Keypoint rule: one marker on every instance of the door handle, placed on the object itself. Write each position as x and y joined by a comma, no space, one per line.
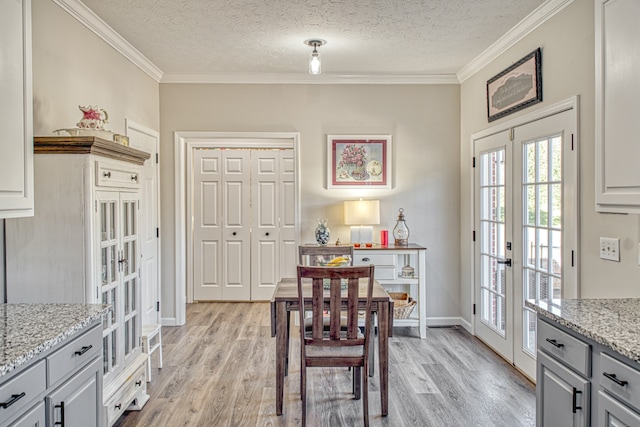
506,261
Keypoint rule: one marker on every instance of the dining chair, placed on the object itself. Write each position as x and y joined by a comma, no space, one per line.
316,255
318,346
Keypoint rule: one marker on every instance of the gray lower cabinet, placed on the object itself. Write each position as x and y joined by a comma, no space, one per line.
583,383
35,417
563,396
61,387
612,413
78,401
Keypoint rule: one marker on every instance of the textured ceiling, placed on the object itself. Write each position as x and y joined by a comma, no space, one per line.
364,37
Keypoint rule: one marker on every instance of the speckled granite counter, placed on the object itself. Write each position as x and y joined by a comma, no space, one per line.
614,323
29,329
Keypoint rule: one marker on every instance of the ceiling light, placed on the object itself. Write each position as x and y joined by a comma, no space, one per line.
314,58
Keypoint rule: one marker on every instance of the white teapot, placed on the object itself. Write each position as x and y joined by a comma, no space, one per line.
93,117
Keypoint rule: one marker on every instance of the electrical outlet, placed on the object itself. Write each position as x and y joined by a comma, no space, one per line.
610,249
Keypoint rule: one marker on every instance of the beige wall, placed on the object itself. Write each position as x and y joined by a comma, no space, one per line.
72,66
567,43
424,123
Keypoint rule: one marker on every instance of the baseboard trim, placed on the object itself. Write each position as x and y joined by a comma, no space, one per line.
168,321
443,321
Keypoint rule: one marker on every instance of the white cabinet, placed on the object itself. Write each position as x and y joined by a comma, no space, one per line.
617,104
16,106
389,261
82,246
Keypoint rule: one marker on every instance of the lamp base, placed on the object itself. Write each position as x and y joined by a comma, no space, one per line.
362,234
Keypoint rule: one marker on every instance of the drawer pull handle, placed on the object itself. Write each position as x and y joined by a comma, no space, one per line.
366,259
14,399
575,406
134,178
61,407
83,350
139,383
106,174
554,343
118,406
613,378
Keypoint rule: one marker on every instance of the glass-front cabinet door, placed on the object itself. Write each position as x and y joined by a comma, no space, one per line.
130,279
118,277
109,278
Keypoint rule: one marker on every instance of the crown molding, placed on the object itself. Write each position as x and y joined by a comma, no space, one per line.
324,78
539,16
89,19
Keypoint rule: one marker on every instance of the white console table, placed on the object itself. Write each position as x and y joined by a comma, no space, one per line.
389,261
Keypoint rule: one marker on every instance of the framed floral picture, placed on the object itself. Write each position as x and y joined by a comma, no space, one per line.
358,161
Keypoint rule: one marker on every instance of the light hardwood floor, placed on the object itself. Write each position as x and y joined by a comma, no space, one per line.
219,370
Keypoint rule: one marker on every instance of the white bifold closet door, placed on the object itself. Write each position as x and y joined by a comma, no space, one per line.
243,222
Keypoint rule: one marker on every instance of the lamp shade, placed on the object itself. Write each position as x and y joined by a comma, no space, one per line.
361,212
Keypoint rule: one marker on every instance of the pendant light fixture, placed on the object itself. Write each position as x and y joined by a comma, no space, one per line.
314,58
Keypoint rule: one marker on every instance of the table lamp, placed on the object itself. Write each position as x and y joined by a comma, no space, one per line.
360,215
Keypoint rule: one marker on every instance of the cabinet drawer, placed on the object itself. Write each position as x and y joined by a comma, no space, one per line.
620,379
74,355
385,264
122,398
22,389
117,175
570,350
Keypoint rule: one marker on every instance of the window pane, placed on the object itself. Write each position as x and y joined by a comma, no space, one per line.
543,161
529,163
556,159
543,205
556,205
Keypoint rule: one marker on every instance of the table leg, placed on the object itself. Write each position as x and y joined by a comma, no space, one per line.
383,356
281,346
287,341
372,347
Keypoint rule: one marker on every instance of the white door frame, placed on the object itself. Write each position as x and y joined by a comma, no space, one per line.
567,104
131,125
184,142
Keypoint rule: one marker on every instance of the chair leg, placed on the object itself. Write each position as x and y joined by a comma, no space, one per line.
357,382
303,393
365,398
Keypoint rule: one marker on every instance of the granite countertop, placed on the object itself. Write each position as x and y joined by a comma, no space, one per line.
614,323
29,329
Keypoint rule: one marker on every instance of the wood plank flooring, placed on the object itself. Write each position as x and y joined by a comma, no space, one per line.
219,370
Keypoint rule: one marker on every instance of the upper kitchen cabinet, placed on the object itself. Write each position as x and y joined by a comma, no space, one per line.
16,110
617,105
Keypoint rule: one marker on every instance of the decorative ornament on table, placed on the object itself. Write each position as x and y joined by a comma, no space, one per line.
322,232
401,231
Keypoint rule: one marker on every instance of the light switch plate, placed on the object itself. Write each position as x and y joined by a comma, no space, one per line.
610,249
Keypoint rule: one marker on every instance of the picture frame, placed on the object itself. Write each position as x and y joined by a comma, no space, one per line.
358,161
515,88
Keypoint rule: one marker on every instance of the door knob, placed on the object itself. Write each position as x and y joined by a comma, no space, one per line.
506,262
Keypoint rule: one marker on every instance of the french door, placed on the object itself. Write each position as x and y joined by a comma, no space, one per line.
526,230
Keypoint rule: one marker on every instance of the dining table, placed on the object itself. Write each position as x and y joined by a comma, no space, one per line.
285,300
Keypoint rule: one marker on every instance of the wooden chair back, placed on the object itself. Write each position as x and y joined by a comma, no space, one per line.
316,255
338,303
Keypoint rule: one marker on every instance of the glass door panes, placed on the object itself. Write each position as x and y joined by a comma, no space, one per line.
492,240
541,227
109,277
130,274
